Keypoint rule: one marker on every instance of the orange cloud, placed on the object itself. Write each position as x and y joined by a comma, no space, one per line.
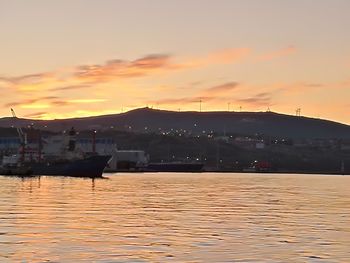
153,64
38,88
182,100
276,54
87,76
86,100
209,94
35,106
125,69
49,101
260,99
225,56
29,101
36,115
219,95
344,84
300,87
27,79
223,88
70,87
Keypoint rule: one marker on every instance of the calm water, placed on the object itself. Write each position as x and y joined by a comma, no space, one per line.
176,218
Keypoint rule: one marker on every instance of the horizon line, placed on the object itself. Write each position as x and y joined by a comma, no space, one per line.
174,111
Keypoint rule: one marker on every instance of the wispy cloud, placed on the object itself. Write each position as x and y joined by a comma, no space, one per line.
117,68
29,101
90,75
66,87
181,100
313,85
58,103
49,101
86,100
86,75
225,56
260,99
214,93
277,54
25,79
70,87
155,63
220,89
36,115
302,87
222,94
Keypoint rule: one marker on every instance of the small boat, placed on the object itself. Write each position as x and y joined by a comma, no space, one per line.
258,167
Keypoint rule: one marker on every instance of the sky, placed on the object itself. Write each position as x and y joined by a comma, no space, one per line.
76,58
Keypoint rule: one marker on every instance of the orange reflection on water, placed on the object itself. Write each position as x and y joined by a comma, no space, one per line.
176,217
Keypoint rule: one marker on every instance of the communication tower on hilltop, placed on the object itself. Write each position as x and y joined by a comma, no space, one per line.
200,104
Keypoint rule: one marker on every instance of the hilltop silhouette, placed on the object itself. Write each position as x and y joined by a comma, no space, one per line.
249,123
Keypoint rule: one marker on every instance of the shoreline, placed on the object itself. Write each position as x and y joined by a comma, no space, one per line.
231,171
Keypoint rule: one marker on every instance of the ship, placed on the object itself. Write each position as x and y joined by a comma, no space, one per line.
67,161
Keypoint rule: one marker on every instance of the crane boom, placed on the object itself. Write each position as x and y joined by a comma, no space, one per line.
20,132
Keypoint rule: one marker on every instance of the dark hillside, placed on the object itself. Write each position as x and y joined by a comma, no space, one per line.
267,123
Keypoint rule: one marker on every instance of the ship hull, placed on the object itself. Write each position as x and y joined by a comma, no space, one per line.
91,167
16,171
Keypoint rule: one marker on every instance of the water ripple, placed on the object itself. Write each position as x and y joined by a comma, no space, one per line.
176,218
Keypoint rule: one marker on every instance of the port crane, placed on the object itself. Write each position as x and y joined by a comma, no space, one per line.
22,137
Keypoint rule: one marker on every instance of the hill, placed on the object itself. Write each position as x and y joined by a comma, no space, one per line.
151,120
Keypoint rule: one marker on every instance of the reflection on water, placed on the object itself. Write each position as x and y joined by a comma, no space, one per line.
176,218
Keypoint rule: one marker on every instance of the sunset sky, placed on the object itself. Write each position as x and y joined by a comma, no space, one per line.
67,58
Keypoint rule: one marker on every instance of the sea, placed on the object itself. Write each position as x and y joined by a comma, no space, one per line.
176,217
